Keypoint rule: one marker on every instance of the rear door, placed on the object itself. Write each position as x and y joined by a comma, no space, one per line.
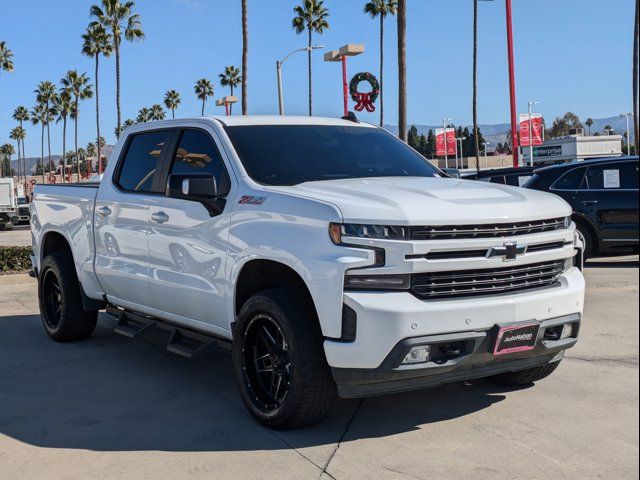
187,243
612,194
122,219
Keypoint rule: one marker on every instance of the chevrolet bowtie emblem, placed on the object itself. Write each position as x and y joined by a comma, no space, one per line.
509,251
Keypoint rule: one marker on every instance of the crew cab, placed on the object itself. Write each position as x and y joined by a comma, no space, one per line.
326,254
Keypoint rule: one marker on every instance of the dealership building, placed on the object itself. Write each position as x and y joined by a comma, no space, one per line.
574,147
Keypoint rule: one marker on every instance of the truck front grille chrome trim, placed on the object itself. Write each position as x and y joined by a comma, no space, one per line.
486,281
486,231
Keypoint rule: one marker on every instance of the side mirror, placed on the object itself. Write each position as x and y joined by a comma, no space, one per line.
196,187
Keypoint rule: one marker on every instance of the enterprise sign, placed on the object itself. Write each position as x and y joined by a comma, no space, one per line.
550,151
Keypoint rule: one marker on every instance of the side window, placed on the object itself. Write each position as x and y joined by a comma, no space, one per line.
572,180
498,179
141,160
196,153
623,175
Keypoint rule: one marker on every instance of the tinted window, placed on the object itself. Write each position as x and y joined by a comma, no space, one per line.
292,154
140,162
570,180
498,179
623,175
196,153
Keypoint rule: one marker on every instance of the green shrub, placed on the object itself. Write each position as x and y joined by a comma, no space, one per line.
15,259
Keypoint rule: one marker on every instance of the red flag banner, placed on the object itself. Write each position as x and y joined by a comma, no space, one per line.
536,126
450,142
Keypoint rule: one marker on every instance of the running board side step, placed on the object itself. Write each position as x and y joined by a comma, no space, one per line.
182,341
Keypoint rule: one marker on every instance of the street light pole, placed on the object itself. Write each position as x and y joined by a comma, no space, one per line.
340,55
627,115
459,139
279,73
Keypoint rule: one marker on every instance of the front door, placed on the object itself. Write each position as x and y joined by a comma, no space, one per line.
122,220
187,243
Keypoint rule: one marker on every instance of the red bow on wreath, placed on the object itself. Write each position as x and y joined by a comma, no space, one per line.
364,101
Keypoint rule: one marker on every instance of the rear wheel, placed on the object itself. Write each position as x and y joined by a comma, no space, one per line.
63,316
279,362
525,377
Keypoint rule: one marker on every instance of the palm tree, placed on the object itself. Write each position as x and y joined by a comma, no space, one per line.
380,9
156,112
45,94
6,151
312,17
402,69
118,18
230,78
64,109
18,134
6,58
96,42
203,89
172,101
78,87
127,123
144,115
39,116
245,54
588,123
635,75
21,114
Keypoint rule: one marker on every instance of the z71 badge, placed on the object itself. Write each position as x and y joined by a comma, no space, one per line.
251,200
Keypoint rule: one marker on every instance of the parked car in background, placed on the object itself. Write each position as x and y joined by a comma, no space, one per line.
23,211
604,195
8,205
515,176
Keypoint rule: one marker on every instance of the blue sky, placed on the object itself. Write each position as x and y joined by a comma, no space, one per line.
569,56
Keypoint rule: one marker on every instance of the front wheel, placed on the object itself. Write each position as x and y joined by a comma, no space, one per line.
279,362
63,316
525,377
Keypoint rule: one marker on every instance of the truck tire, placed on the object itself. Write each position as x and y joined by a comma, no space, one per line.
279,361
7,226
525,377
61,310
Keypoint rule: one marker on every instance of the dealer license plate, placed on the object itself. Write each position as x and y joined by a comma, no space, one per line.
516,338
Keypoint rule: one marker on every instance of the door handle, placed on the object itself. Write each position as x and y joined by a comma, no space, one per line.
159,217
588,203
103,211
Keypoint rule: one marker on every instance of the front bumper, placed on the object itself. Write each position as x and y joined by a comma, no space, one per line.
384,319
475,360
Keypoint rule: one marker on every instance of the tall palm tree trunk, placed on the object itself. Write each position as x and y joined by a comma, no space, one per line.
98,119
231,104
475,84
309,67
381,70
245,55
49,148
635,75
203,100
402,69
64,148
42,151
173,113
117,49
75,139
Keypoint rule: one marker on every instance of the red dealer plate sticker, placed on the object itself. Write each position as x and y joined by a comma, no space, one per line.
516,338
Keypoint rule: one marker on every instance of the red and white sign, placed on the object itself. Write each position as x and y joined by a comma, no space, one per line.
451,142
536,126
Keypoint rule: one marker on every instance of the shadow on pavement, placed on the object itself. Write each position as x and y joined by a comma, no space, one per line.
110,393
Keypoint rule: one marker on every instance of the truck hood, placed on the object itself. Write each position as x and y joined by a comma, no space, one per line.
430,201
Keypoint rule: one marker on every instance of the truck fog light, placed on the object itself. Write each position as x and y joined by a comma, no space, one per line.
419,354
567,331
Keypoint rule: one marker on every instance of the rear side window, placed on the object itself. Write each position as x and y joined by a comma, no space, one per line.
197,153
614,176
499,179
141,161
572,180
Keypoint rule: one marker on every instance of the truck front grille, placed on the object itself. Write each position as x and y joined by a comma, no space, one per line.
23,211
468,283
449,232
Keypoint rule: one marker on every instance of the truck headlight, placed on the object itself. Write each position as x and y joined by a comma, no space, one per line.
567,222
356,230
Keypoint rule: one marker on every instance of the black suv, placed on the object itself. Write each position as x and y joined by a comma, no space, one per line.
515,176
604,196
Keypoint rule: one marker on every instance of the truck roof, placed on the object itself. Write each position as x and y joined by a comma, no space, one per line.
247,120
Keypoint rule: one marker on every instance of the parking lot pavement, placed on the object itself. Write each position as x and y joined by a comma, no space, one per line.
19,236
113,407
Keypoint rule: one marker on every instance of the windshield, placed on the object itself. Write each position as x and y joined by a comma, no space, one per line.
292,154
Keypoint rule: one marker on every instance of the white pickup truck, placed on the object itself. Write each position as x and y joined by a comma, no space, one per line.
329,256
